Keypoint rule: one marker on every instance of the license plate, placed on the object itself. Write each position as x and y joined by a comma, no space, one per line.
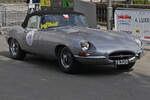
121,62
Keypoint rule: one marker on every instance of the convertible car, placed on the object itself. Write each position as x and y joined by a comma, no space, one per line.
65,36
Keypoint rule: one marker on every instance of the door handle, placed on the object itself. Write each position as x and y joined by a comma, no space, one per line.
26,31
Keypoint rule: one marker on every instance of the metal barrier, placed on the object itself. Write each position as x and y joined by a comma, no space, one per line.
14,17
12,1
12,14
102,10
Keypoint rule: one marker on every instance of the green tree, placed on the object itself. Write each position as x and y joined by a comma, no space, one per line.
140,2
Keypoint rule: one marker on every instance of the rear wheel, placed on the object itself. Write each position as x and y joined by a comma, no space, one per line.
15,51
126,67
67,62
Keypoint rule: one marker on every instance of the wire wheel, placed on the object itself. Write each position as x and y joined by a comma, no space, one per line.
15,50
66,61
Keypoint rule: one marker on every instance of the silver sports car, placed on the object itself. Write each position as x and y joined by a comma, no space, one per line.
65,36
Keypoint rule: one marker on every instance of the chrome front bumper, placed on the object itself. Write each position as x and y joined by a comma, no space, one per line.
102,60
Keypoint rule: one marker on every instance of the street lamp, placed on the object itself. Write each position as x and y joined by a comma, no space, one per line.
109,15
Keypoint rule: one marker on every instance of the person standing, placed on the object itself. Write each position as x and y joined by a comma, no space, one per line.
33,5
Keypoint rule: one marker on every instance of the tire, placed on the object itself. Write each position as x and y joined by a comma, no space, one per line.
67,62
15,51
126,67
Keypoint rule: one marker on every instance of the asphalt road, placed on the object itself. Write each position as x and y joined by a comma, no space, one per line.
36,78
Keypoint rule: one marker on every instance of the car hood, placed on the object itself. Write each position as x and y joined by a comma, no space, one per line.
101,39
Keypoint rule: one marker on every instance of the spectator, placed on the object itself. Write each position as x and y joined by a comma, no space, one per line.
33,1
36,1
34,6
27,1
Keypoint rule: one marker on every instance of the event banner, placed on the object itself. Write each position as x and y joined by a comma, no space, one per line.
67,3
57,3
45,3
133,21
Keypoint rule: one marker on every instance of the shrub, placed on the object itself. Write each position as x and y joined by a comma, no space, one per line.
140,2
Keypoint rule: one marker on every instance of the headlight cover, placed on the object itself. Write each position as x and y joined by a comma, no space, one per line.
139,42
85,45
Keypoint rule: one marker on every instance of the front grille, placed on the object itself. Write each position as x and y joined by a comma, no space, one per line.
121,55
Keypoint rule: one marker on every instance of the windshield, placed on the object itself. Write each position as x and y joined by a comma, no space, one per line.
59,20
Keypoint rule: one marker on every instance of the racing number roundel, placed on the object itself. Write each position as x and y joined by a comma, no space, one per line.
29,38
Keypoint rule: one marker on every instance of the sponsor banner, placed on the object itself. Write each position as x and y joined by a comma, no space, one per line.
56,3
68,3
45,3
133,21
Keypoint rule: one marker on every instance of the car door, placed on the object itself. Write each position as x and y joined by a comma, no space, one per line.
47,35
31,34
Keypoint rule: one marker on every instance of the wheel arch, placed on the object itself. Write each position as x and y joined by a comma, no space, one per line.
58,48
9,39
12,38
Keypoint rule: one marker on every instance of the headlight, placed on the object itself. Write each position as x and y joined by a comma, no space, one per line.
85,46
139,42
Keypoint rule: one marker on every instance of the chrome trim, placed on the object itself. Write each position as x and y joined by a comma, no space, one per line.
91,57
132,59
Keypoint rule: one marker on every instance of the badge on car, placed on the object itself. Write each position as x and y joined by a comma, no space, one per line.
121,62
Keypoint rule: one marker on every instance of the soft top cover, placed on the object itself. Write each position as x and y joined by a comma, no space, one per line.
41,13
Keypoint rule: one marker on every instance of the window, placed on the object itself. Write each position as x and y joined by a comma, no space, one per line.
33,22
60,20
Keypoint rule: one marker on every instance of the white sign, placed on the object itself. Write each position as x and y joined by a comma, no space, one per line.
29,38
134,21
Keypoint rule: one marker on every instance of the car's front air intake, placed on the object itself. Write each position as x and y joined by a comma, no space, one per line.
121,55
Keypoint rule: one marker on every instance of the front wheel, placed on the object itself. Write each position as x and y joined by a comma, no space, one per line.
67,62
126,67
15,51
